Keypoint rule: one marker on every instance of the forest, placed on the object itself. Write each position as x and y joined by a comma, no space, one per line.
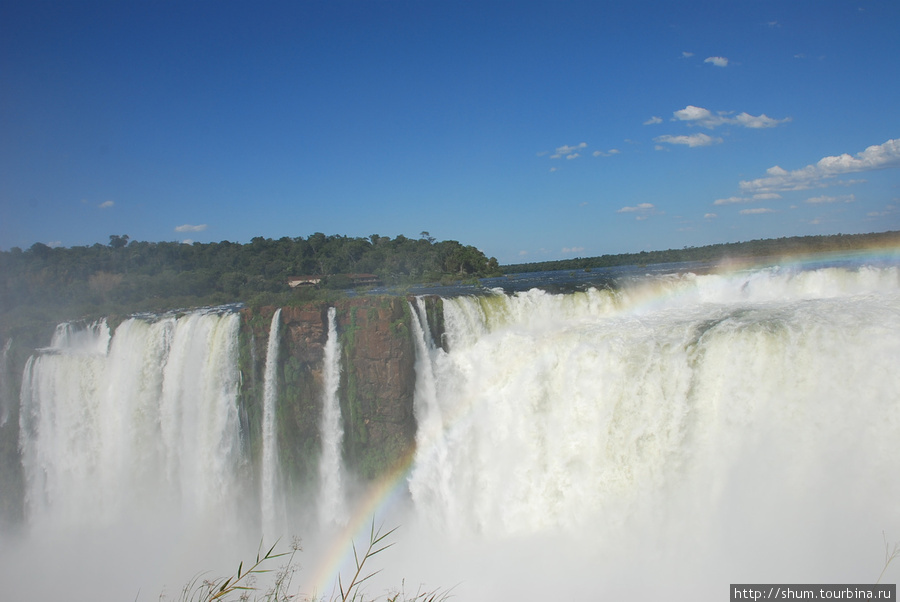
45,284
773,248
42,284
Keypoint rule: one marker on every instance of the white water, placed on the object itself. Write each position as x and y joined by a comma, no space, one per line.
667,439
131,453
146,418
6,398
661,441
271,497
332,499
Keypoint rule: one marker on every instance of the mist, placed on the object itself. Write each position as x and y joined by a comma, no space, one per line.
667,437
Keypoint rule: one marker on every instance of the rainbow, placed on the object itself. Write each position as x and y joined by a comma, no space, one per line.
385,493
392,488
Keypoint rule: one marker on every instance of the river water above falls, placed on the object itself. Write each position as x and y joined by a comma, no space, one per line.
666,434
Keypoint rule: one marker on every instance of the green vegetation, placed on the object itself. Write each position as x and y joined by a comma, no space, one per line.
242,584
48,285
889,556
764,248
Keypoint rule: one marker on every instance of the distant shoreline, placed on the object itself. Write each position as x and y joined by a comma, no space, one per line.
760,248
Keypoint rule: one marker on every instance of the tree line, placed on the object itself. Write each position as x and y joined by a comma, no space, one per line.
762,248
127,275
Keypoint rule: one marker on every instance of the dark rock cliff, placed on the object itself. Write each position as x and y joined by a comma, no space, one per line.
377,383
376,388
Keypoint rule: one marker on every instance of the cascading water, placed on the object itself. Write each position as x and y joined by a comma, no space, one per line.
271,500
662,439
132,456
332,501
683,430
6,397
430,441
115,426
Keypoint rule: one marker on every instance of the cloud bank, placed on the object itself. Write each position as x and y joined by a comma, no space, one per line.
569,152
691,141
643,210
822,174
706,118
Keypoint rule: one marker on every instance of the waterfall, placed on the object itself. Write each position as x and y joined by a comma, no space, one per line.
677,424
659,439
430,477
270,495
6,398
332,501
132,424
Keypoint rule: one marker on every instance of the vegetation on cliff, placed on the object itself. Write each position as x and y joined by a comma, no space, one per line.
769,247
43,285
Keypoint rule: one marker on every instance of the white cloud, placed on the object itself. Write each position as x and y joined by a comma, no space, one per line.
700,116
191,228
609,153
767,196
572,249
573,156
653,120
687,55
105,205
54,243
706,118
567,151
718,61
847,198
641,207
643,210
732,200
881,156
691,141
759,122
756,211
710,216
888,211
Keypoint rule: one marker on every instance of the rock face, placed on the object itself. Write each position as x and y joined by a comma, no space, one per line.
376,388
377,383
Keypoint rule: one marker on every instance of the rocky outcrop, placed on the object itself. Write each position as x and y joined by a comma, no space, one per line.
377,383
376,390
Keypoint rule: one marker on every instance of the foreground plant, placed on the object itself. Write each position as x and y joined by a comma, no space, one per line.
889,556
242,587
242,582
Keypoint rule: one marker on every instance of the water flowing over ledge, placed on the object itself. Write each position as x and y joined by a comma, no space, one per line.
668,428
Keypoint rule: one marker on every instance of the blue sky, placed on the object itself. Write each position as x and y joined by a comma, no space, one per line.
532,130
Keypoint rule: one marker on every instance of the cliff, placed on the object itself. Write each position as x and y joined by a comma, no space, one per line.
376,394
377,383
376,387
